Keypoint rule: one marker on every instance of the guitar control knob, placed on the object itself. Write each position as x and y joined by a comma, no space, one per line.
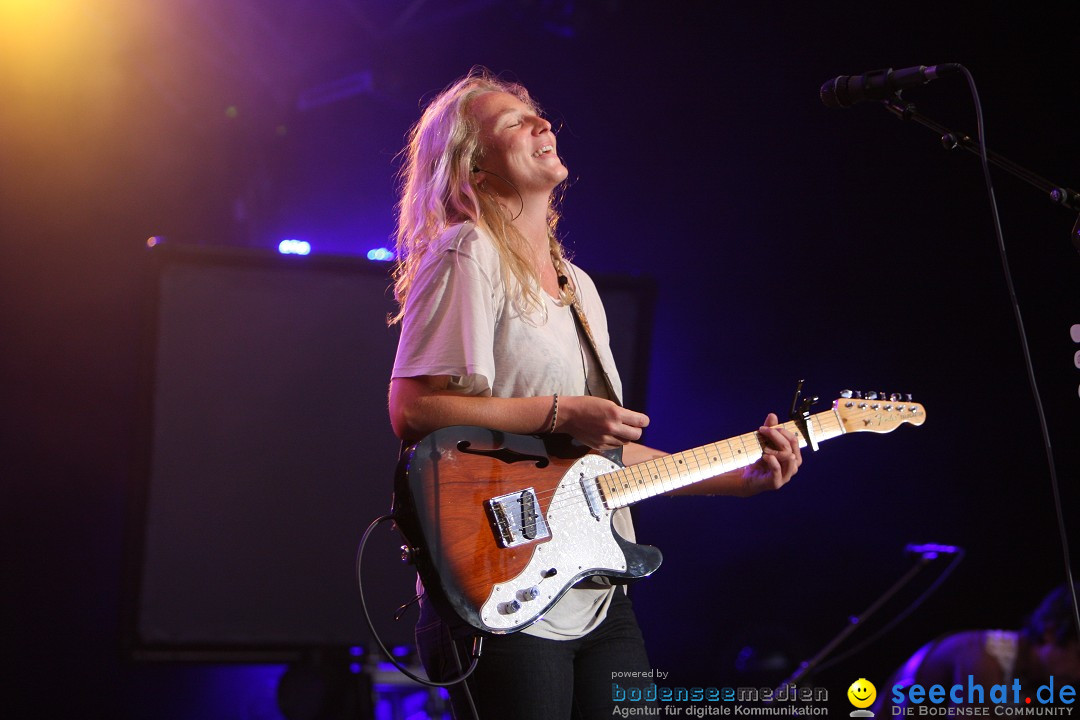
408,554
510,607
550,572
528,594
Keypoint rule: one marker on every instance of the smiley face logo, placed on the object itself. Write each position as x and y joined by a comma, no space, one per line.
862,693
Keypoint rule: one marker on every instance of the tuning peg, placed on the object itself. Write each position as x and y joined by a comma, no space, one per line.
871,395
845,393
907,397
858,394
894,397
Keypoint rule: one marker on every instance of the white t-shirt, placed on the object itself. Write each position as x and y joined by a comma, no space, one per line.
461,322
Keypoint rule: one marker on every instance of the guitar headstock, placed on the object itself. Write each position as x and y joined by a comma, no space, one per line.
877,412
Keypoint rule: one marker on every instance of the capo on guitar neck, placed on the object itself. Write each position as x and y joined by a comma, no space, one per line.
800,413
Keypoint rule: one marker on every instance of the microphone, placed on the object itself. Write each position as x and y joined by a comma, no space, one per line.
846,90
932,550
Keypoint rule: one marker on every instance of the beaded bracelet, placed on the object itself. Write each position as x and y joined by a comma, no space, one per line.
554,414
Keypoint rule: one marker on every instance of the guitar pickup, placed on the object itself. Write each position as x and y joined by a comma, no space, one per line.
592,495
515,518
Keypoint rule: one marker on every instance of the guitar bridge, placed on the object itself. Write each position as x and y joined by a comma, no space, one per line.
515,518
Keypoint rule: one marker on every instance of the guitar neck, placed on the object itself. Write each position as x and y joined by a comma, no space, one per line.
637,482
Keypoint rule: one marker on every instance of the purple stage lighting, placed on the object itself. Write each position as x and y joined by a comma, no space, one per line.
294,247
381,254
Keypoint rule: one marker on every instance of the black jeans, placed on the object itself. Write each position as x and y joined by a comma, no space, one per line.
529,678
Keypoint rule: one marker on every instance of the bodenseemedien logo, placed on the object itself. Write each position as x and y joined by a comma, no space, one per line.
862,694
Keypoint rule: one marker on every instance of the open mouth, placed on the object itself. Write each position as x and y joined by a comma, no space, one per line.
545,150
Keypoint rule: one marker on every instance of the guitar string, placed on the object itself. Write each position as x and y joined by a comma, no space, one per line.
694,462
687,465
825,425
668,472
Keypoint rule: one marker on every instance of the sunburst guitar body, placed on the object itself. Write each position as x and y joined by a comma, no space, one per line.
501,525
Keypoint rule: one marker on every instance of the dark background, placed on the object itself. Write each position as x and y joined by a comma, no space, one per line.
787,241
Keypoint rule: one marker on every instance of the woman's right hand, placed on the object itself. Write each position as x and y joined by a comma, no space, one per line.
599,423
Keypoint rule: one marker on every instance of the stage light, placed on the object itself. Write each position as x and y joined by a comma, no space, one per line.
381,254
294,247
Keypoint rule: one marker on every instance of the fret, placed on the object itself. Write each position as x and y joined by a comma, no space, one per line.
640,481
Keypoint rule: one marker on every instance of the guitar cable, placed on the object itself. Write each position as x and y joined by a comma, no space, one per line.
477,644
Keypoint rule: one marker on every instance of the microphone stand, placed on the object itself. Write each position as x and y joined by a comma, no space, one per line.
1063,196
854,622
1059,194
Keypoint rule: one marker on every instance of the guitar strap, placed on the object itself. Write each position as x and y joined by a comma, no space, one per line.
583,329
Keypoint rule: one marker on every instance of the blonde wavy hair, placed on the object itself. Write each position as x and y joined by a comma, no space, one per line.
437,190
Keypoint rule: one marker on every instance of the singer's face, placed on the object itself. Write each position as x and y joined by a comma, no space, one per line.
519,146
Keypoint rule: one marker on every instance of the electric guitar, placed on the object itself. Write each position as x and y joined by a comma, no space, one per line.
500,525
